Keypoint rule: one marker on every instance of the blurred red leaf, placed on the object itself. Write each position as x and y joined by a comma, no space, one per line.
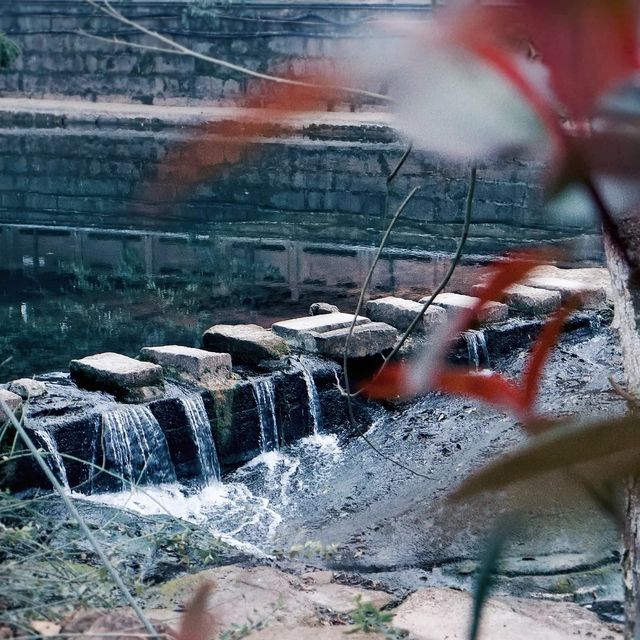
432,372
197,622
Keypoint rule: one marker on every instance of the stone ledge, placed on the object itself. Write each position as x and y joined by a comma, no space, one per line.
128,379
400,313
455,302
248,344
190,364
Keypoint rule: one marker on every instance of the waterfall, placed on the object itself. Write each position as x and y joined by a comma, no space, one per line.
476,347
202,437
135,447
54,459
313,400
265,401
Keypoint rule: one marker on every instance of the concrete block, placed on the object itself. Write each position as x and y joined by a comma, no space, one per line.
400,313
246,343
368,339
192,365
455,302
128,379
301,333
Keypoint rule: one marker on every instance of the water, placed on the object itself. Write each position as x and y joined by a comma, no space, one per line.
313,400
203,437
265,400
54,459
135,447
476,347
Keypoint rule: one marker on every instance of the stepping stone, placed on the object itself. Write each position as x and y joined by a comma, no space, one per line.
301,333
400,313
368,339
127,379
28,388
247,344
530,301
13,402
192,365
456,302
596,276
593,296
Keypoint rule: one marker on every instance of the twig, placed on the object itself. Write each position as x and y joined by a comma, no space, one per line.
76,515
632,401
175,47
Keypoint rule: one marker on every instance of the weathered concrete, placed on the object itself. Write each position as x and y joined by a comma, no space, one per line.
400,313
593,296
367,339
247,343
455,302
441,614
595,276
530,301
27,388
13,402
302,333
128,379
192,365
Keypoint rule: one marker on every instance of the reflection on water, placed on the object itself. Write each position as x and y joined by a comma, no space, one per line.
70,292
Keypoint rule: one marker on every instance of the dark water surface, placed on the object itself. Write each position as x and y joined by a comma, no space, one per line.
70,292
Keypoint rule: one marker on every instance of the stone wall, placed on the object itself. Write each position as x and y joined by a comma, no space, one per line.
319,183
275,37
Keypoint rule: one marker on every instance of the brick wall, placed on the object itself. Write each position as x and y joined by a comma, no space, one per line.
316,185
277,37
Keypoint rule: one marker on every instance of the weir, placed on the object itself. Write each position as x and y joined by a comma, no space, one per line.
265,400
201,429
135,447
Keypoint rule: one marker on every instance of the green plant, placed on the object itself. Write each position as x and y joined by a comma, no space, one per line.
367,618
9,51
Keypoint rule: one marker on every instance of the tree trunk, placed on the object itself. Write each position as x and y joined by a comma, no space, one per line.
626,293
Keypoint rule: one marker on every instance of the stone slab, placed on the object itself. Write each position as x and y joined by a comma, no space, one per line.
593,296
13,402
400,313
368,339
195,365
301,333
596,276
128,379
28,388
247,344
455,302
530,301
441,614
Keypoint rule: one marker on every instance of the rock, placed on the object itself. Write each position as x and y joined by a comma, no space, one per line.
28,388
439,614
593,296
13,401
301,333
285,603
531,301
193,365
343,599
247,343
400,313
455,302
127,379
367,340
322,308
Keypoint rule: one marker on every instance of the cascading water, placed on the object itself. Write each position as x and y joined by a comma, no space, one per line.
202,436
313,400
476,347
265,400
54,458
135,447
